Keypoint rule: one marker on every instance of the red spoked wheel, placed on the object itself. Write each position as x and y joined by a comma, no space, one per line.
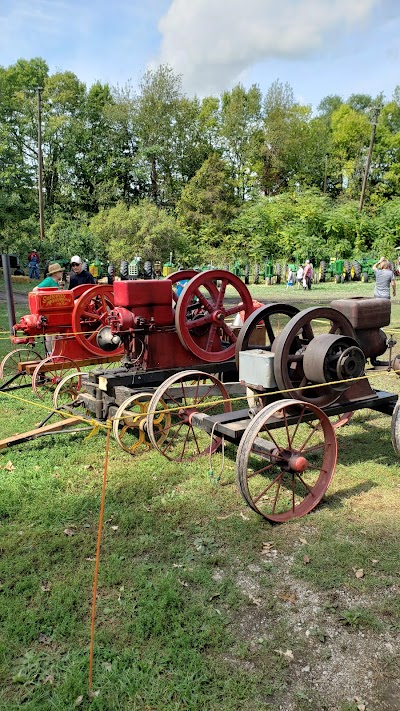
90,315
205,311
9,364
49,373
286,460
169,422
290,348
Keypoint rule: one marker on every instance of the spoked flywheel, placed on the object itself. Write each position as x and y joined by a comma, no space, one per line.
205,311
286,460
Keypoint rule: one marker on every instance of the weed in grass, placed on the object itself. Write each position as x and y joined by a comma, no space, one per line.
359,618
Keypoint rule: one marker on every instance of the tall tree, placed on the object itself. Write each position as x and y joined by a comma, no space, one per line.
241,130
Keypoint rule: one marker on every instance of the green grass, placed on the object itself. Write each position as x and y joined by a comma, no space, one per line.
192,613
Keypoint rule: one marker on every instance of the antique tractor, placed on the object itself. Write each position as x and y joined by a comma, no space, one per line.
69,321
269,271
338,270
308,371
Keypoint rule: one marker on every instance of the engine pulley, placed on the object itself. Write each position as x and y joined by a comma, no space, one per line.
329,358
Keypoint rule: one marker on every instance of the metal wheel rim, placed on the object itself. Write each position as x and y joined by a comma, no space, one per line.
287,341
177,426
25,378
215,315
62,383
119,430
327,447
50,382
262,314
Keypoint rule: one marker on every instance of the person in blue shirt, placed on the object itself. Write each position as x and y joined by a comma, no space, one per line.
33,259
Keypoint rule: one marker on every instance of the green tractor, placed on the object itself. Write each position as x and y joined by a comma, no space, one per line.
362,269
268,271
241,270
338,270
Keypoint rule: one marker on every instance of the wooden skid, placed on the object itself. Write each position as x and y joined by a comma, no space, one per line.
40,431
30,365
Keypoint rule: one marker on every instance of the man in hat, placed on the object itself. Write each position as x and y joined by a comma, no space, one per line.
79,275
54,278
33,260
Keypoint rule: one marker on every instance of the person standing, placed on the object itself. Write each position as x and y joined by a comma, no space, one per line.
78,274
299,276
384,279
290,278
307,275
33,260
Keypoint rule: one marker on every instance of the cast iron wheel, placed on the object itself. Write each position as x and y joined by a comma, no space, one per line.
129,421
90,315
290,346
183,395
274,317
68,389
284,472
395,428
10,362
49,373
202,312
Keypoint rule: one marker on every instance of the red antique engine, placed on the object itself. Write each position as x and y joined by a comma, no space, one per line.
73,317
160,330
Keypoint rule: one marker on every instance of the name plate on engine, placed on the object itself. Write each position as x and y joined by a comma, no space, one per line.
256,367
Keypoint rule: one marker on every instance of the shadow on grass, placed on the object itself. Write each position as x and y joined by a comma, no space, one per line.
336,500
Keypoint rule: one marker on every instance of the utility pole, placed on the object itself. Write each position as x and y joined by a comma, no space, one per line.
369,156
325,171
40,162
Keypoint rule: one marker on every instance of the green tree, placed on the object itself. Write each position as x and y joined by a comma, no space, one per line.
142,229
241,131
207,204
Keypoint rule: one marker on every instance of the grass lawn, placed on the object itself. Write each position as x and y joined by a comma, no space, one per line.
201,604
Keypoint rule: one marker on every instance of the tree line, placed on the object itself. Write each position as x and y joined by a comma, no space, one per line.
150,171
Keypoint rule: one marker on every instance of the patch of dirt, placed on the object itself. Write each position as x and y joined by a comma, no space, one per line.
19,298
330,666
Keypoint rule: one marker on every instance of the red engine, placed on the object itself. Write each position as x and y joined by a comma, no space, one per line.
73,317
160,330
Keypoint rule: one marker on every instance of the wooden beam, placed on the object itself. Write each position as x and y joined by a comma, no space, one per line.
40,431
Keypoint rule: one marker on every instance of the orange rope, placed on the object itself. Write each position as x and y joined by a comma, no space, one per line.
96,567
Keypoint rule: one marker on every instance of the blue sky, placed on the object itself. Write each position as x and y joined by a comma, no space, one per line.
319,47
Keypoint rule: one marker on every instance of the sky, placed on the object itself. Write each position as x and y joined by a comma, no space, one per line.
319,47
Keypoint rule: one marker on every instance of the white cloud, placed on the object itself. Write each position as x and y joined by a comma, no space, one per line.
213,42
